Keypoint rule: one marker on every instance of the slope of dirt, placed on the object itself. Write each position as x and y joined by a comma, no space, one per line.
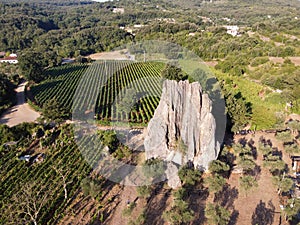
21,112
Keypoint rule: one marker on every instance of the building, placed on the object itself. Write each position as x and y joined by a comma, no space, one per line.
9,59
119,10
296,164
232,30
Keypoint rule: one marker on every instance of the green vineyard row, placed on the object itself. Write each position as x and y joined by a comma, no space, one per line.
102,88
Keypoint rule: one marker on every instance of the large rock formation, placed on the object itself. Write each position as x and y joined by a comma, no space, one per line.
183,128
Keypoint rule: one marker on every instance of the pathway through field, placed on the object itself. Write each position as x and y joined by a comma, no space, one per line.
21,112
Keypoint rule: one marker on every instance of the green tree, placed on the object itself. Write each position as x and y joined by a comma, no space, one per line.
179,213
247,163
284,135
144,191
180,193
217,214
275,164
53,111
292,209
217,166
171,72
154,168
128,101
294,125
91,187
6,92
189,176
247,182
214,183
109,139
284,184
265,149
238,111
292,148
242,151
31,65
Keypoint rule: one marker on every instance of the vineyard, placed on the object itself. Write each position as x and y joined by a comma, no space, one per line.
62,155
112,87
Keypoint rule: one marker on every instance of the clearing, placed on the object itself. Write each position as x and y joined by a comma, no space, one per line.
21,112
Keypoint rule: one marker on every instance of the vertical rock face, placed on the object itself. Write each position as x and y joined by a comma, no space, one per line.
183,127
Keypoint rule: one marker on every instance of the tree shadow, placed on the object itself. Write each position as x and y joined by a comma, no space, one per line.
243,141
253,148
227,196
197,203
233,218
265,142
156,205
263,214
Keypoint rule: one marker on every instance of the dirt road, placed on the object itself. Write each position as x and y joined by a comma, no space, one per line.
21,112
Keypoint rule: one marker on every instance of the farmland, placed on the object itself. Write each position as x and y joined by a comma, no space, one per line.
20,179
120,84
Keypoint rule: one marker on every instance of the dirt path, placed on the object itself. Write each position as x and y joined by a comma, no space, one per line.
21,112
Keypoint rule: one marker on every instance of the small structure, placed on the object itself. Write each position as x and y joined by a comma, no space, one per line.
232,30
138,25
119,10
25,158
67,61
296,164
2,54
10,60
237,170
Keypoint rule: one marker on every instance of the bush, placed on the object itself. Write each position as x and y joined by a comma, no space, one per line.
259,60
144,191
284,136
127,211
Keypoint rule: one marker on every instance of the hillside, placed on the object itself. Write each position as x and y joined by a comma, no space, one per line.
95,72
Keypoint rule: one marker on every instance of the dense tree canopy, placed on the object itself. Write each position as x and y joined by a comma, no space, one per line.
31,65
172,72
6,92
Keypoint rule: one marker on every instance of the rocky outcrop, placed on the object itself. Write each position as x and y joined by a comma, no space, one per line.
183,127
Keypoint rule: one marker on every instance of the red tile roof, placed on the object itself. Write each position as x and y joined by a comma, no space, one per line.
8,58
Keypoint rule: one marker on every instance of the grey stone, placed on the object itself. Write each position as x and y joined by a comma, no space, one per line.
182,118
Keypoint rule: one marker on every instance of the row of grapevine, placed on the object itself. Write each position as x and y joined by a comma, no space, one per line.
64,155
100,87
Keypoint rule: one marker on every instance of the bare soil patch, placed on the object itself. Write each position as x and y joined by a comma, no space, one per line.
261,203
294,59
211,63
21,112
114,55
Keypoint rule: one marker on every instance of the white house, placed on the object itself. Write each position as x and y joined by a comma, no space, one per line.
232,30
10,59
119,10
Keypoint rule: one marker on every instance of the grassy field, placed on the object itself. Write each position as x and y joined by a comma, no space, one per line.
265,104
